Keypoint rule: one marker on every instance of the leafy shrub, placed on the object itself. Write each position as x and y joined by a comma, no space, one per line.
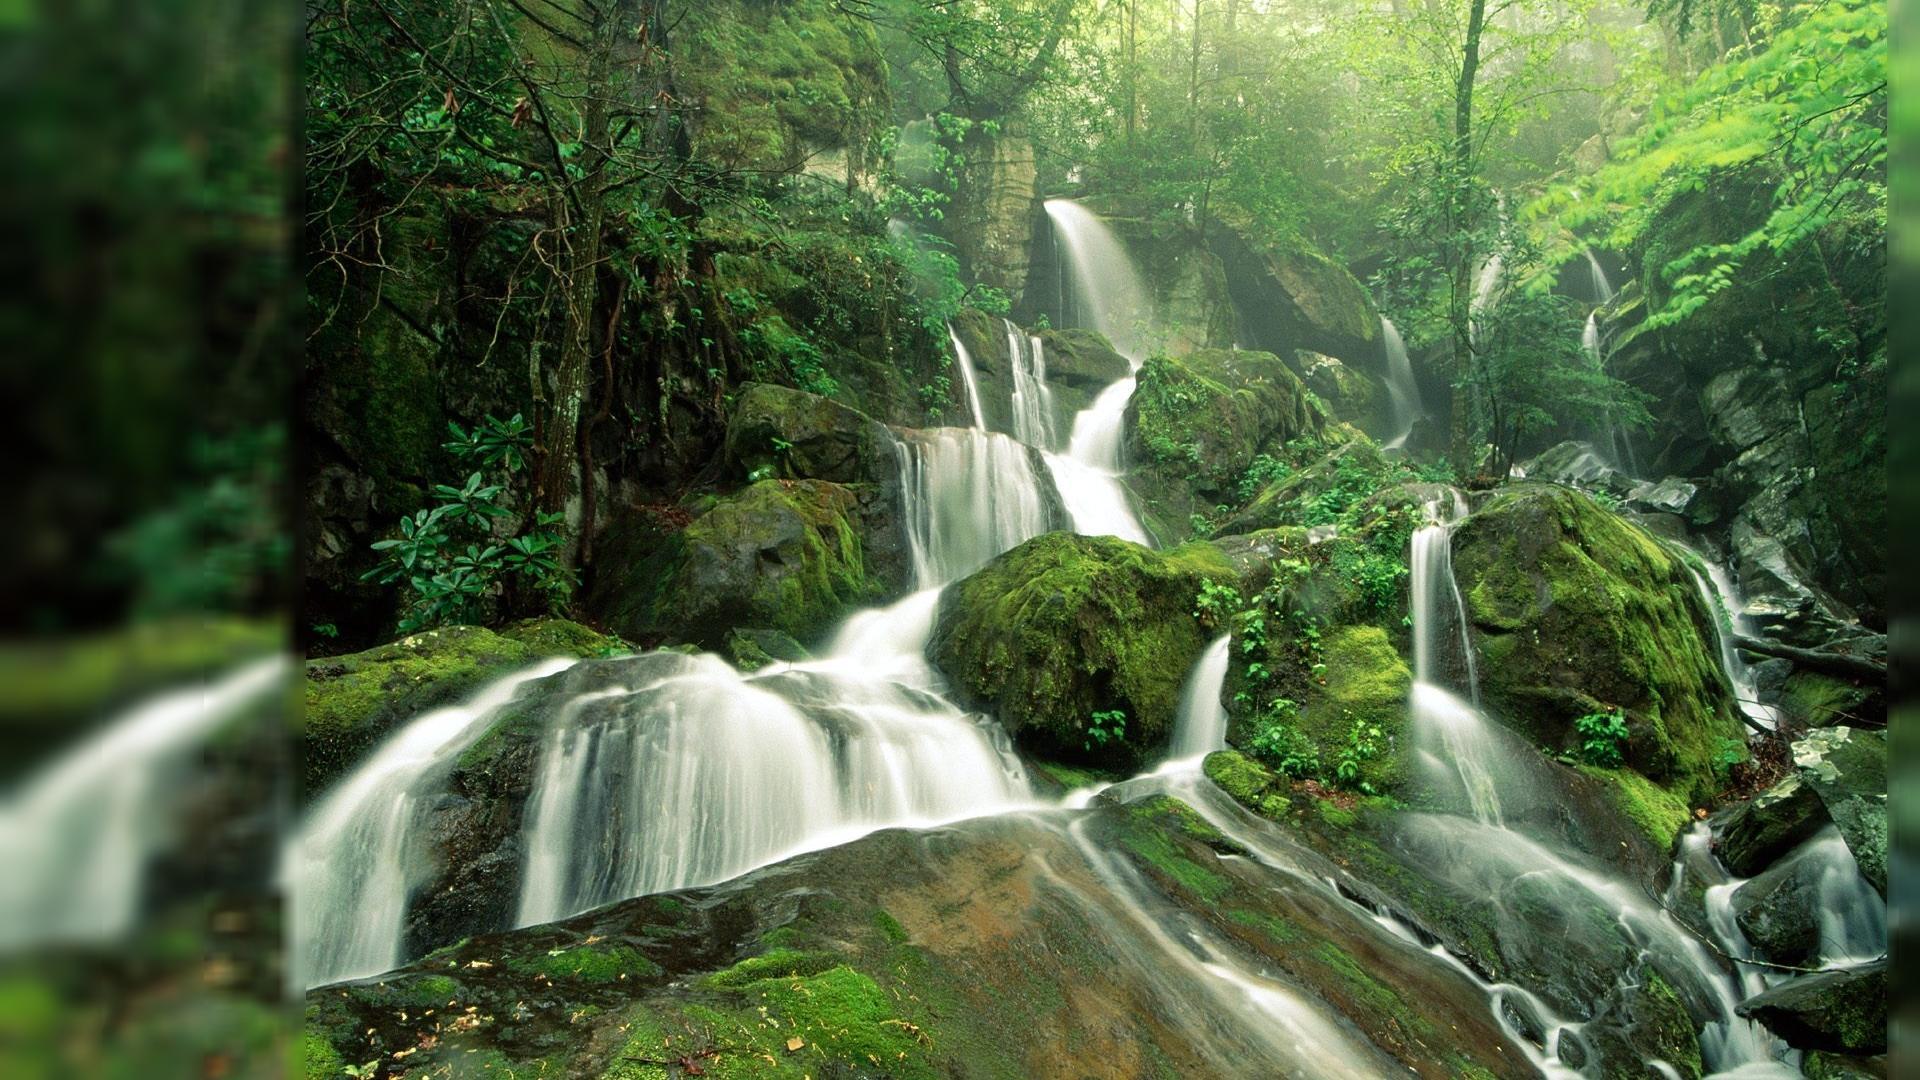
449,560
1108,726
1603,737
1215,604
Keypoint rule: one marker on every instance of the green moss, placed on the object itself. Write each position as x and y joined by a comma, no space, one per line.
318,1059
1658,813
587,963
1278,931
1149,838
1250,783
1575,611
1066,626
774,964
889,927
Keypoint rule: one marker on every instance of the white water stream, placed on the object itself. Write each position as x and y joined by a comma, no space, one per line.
1403,393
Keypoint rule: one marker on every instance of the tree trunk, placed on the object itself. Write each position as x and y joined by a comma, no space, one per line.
1460,303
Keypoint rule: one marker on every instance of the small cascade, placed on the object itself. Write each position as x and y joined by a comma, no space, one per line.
77,837
362,851
1723,599
969,378
1852,915
1032,400
691,773
1602,288
1403,392
1200,727
1112,301
1619,445
969,495
1485,285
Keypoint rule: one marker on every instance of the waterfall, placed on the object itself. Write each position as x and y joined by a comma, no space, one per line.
361,852
1200,727
77,837
1106,288
963,360
1459,749
1114,303
969,495
1619,445
1403,393
1602,288
1032,399
692,773
1484,286
1717,591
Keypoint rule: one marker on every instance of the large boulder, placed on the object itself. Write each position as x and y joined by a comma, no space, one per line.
1847,769
353,701
1581,465
1573,612
1779,910
787,555
1350,393
1290,296
1844,1011
1195,422
781,432
1752,835
1064,627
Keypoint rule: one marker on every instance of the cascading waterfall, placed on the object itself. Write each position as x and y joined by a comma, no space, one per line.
1721,597
1459,750
1112,301
1619,446
1032,399
691,772
969,379
361,852
1485,284
77,838
1200,727
1403,393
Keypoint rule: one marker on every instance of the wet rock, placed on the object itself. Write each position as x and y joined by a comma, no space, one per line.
1292,297
754,648
1766,827
1847,769
1573,611
1669,496
1081,360
353,701
790,555
1064,627
1777,593
1578,464
1352,395
1824,1065
1843,1011
1778,910
995,947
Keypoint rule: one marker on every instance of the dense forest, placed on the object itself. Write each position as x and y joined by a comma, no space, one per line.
1095,538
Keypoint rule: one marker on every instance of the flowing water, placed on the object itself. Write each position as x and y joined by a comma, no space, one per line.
1403,393
1731,620
1032,400
77,839
362,850
1201,725
969,378
1602,288
1112,301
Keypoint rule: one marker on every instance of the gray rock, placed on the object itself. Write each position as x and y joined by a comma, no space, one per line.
1845,1011
1759,831
1747,405
1779,594
1847,769
1778,911
1579,464
1669,496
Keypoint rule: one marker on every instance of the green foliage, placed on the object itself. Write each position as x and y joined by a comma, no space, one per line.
1603,738
1728,753
1801,102
1363,745
1374,576
1215,603
1104,727
1277,741
449,559
1263,470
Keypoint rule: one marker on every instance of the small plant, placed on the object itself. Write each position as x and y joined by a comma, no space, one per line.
1603,738
1107,726
1731,752
1263,470
1281,745
1215,604
1363,745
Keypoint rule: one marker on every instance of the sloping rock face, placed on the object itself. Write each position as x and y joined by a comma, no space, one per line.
788,555
1064,630
353,701
1843,1011
1763,392
990,221
992,948
1296,298
1575,612
1756,832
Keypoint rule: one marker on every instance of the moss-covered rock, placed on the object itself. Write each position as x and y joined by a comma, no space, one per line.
1575,612
893,956
780,432
1250,783
1751,835
1843,1011
752,648
353,701
1350,394
1346,468
1195,423
789,555
1064,627
1290,296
